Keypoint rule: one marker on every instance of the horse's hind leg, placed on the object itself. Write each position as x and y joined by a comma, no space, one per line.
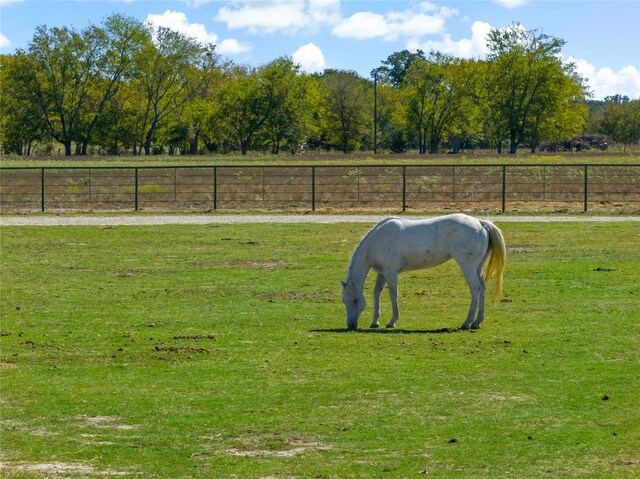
482,294
483,290
475,284
377,291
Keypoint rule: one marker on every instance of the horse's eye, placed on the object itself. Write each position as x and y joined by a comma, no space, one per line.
355,301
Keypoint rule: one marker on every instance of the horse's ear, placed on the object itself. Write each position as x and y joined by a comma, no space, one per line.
344,285
352,284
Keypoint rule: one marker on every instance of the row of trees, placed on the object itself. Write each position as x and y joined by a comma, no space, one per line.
125,86
618,117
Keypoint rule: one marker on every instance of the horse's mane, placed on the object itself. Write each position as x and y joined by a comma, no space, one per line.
363,240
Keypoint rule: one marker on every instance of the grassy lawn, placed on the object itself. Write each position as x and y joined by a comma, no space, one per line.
220,351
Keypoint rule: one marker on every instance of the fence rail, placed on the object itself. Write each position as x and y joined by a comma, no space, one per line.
530,187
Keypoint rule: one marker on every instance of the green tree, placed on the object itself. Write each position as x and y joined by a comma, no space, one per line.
560,112
395,67
186,126
621,119
347,106
201,109
243,107
20,122
119,40
117,126
62,71
168,75
465,126
632,134
493,123
436,92
286,102
71,76
419,86
391,117
523,67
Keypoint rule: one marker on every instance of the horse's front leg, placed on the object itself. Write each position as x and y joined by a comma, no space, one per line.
392,281
377,291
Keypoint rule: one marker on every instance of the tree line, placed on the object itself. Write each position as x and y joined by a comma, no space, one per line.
125,86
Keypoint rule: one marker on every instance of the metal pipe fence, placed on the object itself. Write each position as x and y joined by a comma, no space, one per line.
527,187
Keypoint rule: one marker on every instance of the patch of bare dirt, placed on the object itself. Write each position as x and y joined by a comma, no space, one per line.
50,468
59,469
107,422
289,449
264,265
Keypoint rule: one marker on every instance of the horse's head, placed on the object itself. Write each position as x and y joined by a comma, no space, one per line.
354,302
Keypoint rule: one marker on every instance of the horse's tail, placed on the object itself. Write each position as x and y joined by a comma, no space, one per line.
495,266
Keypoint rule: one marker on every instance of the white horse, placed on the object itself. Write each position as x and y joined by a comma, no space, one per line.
396,245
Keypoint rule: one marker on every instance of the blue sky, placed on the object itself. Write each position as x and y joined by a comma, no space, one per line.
603,37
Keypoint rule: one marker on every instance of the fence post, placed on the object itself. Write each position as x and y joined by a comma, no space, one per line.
42,190
313,188
404,187
504,188
586,187
453,184
215,187
135,189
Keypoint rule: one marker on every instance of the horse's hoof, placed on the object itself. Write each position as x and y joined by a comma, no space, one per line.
464,328
475,327
390,326
374,326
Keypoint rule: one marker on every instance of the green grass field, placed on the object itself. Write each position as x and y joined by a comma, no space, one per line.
220,351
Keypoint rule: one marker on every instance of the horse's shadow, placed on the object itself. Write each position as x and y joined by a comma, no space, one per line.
387,331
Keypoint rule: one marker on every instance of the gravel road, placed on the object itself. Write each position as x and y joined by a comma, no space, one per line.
142,220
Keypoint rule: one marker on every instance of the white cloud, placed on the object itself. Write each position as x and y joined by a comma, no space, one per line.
8,2
474,47
510,4
414,22
177,21
363,25
197,3
604,81
292,16
231,46
310,58
264,17
323,12
4,41
419,25
285,16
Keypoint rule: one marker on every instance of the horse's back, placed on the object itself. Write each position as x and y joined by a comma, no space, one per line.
441,227
415,244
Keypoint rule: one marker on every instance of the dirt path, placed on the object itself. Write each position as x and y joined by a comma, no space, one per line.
142,220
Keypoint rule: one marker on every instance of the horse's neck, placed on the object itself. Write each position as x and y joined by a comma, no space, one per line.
358,267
